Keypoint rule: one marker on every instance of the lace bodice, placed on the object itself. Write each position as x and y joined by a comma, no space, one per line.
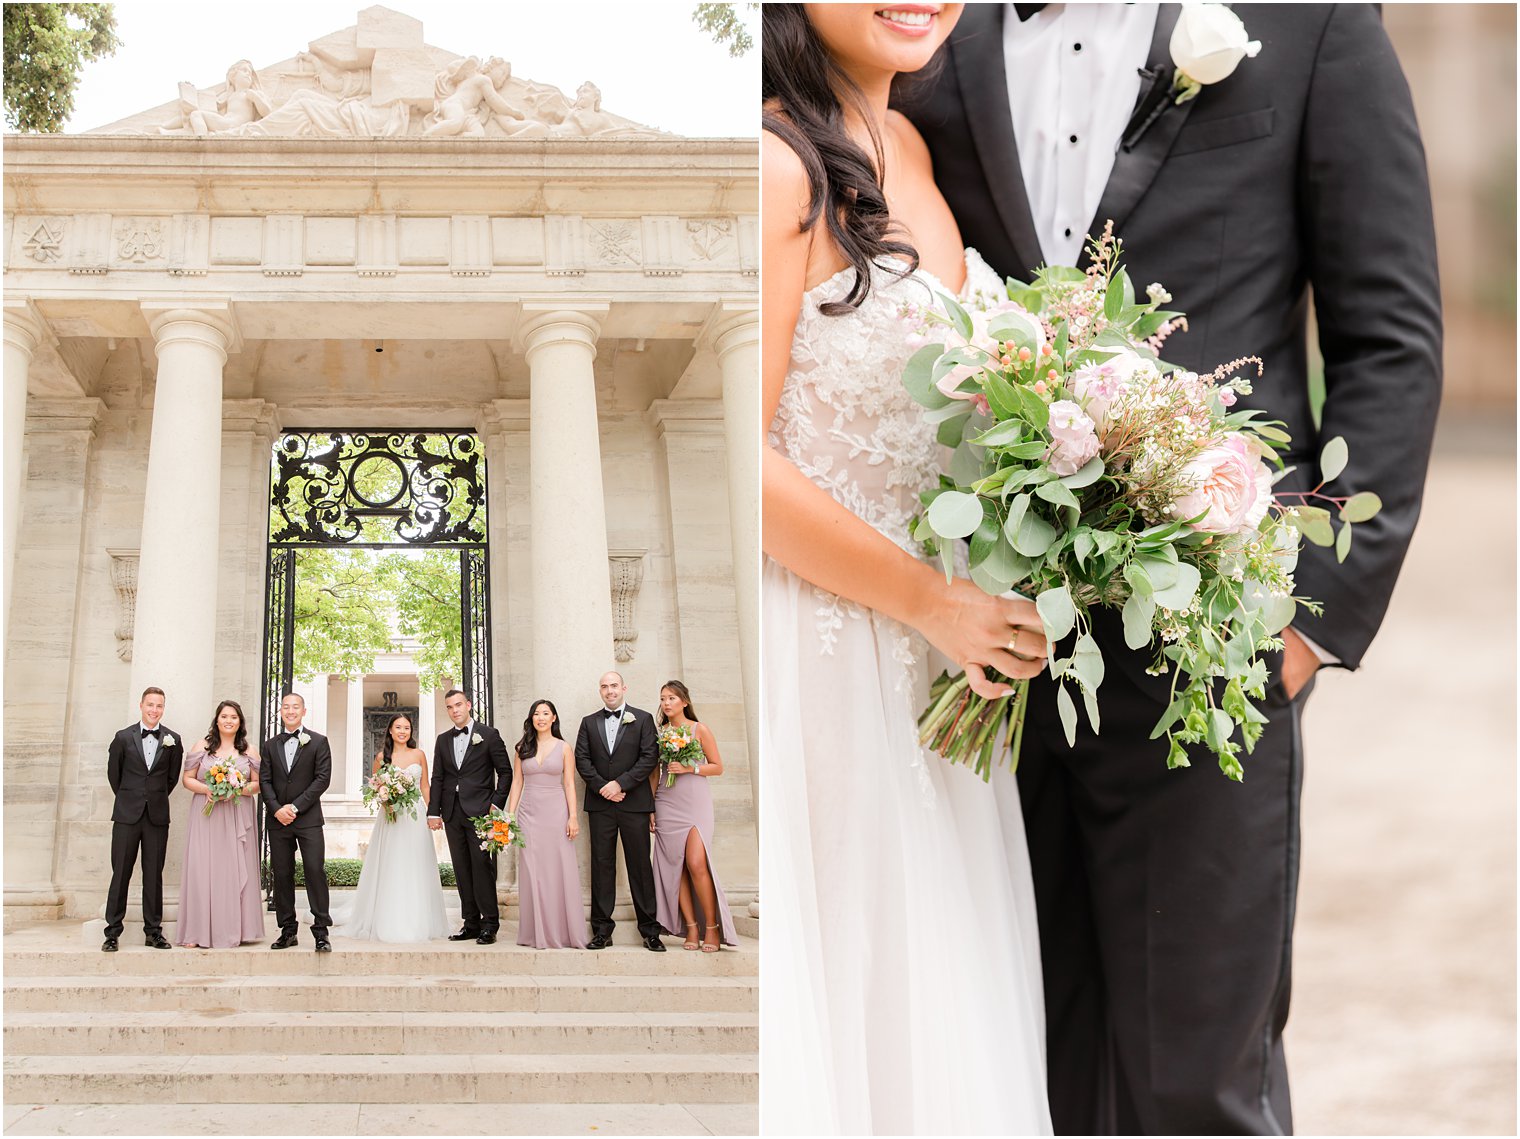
845,418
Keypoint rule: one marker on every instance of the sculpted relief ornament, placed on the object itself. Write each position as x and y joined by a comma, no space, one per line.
340,89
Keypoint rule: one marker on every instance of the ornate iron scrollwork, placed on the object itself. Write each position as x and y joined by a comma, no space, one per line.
409,488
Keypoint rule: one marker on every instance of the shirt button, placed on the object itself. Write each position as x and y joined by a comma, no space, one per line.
1068,231
1076,47
1073,140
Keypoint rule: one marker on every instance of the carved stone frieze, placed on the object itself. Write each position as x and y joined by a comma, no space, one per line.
124,579
615,243
140,240
44,241
627,568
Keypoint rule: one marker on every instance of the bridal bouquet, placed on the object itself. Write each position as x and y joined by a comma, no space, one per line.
392,790
224,783
1089,473
497,830
679,745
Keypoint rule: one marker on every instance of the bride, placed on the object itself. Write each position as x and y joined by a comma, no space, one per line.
399,898
901,986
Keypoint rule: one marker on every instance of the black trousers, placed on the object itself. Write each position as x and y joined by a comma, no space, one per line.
474,875
606,826
1165,903
282,864
127,840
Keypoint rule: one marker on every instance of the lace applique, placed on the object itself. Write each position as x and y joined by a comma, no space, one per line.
831,612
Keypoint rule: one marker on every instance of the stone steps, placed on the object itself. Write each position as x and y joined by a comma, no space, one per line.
214,1032
243,1078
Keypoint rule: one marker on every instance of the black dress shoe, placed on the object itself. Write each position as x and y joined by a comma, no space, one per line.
286,941
600,941
487,938
109,945
465,935
654,945
323,945
156,941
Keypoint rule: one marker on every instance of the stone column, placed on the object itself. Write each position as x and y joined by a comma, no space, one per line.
24,332
737,344
572,600
426,728
175,643
354,762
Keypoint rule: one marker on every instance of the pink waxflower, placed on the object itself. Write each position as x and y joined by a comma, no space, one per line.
1075,440
1226,397
1232,487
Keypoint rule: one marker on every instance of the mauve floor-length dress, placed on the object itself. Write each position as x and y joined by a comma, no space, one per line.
685,804
219,902
550,912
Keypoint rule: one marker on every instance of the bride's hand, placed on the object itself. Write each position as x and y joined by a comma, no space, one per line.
975,629
572,828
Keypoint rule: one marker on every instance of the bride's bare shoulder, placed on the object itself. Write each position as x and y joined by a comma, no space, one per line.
913,152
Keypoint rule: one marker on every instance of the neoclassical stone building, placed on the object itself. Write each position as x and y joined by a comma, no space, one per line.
374,236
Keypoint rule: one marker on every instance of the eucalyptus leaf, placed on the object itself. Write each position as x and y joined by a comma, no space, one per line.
1090,473
1332,460
1160,572
955,408
958,317
1084,545
1179,595
1001,435
1057,493
1034,535
1278,614
918,377
1015,519
1034,409
1343,542
1314,524
1139,610
1361,507
1139,580
955,514
1057,613
1220,727
966,464
1275,434
1088,661
1068,713
1090,699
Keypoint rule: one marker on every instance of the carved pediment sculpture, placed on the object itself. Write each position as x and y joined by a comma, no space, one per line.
379,79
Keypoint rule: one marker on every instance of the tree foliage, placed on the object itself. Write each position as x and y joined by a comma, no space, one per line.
726,26
46,47
342,614
424,591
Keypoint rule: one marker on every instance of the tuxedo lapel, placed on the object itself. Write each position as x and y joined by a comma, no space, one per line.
137,738
977,49
1149,135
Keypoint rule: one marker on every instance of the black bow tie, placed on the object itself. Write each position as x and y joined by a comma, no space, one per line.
610,714
459,731
146,732
288,736
1026,10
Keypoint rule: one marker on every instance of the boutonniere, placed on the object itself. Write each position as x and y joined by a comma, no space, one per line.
303,739
475,739
627,717
1207,45
169,741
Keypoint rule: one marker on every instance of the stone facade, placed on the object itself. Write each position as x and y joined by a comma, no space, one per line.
584,299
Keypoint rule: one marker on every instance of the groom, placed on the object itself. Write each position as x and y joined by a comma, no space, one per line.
143,767
1166,898
615,751
471,774
295,767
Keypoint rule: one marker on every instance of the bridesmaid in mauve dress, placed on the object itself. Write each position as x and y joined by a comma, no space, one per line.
683,829
550,912
219,902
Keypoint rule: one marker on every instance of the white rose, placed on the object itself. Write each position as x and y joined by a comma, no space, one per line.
475,739
169,740
1207,45
303,739
627,717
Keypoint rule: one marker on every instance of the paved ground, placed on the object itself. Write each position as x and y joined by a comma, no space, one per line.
1403,1017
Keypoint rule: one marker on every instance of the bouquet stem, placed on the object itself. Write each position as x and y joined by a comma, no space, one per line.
963,727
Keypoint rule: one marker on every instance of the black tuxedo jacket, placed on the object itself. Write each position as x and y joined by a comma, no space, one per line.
633,756
1301,171
138,790
481,782
302,788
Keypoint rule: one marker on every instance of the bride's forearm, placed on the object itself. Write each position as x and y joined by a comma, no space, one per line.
819,540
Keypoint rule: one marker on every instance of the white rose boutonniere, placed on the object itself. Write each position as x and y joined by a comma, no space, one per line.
169,740
475,739
303,739
1207,45
627,717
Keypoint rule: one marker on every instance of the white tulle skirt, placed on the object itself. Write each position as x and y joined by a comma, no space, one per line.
900,983
399,898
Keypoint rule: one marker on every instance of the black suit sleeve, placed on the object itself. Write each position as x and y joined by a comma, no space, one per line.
649,755
321,779
583,757
1369,244
114,761
266,779
435,783
496,747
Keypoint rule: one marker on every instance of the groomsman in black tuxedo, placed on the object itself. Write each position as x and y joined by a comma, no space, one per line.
295,767
471,774
615,751
1166,898
143,766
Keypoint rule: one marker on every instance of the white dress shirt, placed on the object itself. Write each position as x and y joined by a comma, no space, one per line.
149,744
462,744
610,725
1073,78
292,745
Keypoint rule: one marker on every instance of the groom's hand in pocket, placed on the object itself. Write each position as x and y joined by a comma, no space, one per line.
1299,663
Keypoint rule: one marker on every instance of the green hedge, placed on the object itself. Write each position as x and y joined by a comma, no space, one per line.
345,872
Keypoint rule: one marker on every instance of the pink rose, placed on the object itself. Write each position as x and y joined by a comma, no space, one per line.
1096,385
1076,442
1232,487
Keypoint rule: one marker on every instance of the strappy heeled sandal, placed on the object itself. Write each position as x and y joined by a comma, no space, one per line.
691,941
718,929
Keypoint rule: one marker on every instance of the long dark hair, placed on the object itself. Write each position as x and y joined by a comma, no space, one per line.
390,740
685,694
240,737
527,747
806,93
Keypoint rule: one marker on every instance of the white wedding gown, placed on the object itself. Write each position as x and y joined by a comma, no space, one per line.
900,984
399,898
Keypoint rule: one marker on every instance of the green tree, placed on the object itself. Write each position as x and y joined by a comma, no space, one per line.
724,23
343,614
423,588
46,47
